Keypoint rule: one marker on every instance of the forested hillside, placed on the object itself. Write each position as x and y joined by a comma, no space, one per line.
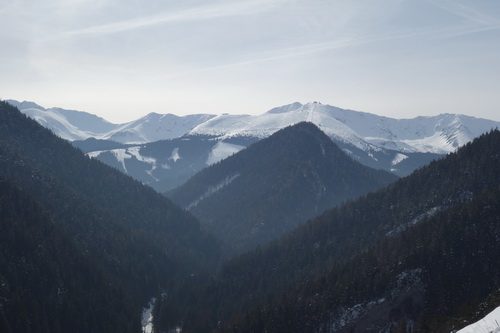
417,252
140,240
46,284
423,277
274,185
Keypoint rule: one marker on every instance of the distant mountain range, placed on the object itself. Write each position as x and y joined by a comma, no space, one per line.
396,145
77,125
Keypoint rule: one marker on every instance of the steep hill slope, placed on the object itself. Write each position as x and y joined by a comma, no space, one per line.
420,280
429,241
46,284
274,185
139,238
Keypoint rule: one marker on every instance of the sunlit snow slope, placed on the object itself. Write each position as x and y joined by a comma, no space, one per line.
438,134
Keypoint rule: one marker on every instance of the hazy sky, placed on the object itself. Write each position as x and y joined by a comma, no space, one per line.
122,59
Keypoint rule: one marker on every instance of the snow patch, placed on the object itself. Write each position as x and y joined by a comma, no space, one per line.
398,159
121,155
147,317
490,323
407,280
373,157
175,155
134,151
221,151
213,189
95,154
431,212
350,315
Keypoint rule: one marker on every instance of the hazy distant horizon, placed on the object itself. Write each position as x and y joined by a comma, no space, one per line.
122,60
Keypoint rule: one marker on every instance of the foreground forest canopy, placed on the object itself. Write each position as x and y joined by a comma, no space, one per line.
83,248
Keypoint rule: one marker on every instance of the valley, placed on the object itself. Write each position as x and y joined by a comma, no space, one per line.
305,218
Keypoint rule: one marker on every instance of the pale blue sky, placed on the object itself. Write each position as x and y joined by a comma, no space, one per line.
122,59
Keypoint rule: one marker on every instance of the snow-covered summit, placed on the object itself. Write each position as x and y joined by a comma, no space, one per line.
438,134
369,132
154,127
77,125
266,124
67,124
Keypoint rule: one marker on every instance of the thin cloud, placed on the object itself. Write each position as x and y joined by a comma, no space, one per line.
194,14
307,49
466,12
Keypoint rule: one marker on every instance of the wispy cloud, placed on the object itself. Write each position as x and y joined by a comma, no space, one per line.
207,12
288,53
337,44
466,11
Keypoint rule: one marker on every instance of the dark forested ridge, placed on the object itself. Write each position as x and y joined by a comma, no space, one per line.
424,278
269,188
137,238
46,284
414,256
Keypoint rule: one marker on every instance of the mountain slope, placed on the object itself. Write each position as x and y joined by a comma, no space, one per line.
164,164
46,284
422,229
275,184
419,280
140,239
67,124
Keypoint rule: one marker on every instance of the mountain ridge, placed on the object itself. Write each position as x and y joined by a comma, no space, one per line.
396,145
439,134
274,185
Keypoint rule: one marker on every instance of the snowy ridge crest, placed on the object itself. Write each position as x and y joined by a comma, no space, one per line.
437,134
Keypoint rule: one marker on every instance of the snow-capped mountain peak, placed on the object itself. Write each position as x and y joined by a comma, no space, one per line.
76,125
263,125
438,134
369,132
